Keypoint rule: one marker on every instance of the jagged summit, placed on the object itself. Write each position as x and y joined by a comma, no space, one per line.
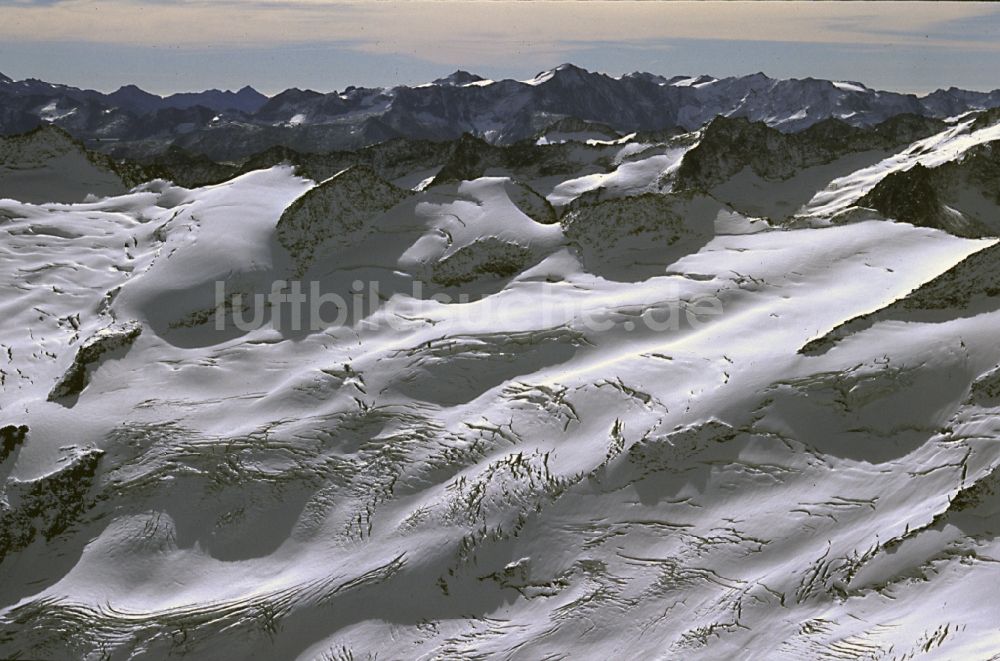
134,98
246,100
458,78
564,67
564,73
647,77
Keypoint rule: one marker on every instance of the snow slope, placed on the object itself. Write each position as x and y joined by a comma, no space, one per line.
588,438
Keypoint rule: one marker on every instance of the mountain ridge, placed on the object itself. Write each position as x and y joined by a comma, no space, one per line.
231,125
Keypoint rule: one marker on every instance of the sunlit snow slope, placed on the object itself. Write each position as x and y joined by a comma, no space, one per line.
544,468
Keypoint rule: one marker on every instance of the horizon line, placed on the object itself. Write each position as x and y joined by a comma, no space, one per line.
164,95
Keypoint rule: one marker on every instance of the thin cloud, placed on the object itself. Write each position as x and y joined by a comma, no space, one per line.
277,43
453,33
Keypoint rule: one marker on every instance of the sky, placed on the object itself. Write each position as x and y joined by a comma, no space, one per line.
181,45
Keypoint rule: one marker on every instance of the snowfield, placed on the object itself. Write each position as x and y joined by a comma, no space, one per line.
577,419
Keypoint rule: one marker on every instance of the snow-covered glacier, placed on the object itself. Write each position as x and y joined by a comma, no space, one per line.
732,393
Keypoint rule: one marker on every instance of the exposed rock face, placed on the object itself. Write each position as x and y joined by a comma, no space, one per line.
233,125
644,233
990,116
92,351
36,146
905,128
726,148
729,145
571,128
399,158
468,160
674,452
10,438
189,169
391,159
985,390
976,275
48,165
46,507
487,257
337,213
532,203
910,196
961,196
134,99
459,78
473,157
980,165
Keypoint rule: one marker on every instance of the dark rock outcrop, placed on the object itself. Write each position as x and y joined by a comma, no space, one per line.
337,213
48,506
961,196
487,257
10,438
728,145
92,351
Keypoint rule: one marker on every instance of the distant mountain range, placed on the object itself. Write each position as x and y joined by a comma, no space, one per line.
232,125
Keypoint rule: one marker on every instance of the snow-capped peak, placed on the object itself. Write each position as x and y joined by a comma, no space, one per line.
561,71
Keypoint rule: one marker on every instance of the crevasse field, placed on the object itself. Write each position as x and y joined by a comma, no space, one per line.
668,400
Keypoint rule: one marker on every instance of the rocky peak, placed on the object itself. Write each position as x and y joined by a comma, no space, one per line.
729,144
459,78
758,78
564,74
248,94
290,98
649,77
249,98
466,160
134,98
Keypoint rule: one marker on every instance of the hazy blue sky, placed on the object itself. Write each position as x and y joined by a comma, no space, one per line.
274,44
